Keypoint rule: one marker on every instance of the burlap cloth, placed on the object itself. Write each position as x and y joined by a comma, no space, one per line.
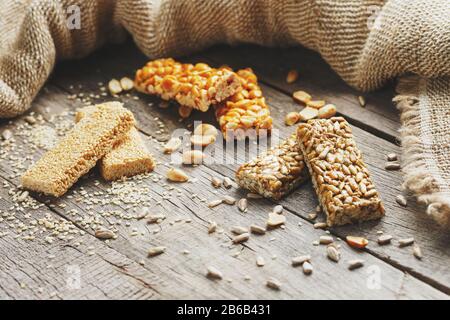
366,42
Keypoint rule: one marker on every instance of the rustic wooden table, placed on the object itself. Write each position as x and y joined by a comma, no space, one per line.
86,267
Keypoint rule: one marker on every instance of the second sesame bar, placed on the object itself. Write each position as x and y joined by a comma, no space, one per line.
129,158
196,86
340,177
276,172
246,110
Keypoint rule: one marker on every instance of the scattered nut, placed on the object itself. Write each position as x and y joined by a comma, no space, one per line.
257,229
292,76
405,242
355,264
417,252
298,261
260,262
239,230
193,157
241,238
391,157
357,242
316,104
212,227
292,118
152,252
177,175
362,101
327,111
243,205
320,225
275,220
7,134
301,97
326,239
278,209
114,87
333,253
214,203
273,284
227,183
206,129
307,268
229,200
126,83
392,166
202,141
104,234
214,273
401,200
216,182
172,145
384,239
308,113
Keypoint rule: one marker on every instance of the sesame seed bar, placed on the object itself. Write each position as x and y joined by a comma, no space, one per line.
276,172
245,110
340,177
195,86
79,150
129,158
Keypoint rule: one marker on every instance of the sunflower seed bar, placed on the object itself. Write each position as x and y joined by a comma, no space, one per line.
91,139
276,172
195,86
129,158
340,177
245,110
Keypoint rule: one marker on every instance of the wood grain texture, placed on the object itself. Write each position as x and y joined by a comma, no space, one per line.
176,275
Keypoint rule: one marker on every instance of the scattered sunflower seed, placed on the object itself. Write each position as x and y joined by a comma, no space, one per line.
320,225
405,242
177,175
212,226
417,252
392,166
216,182
273,284
7,134
278,209
391,157
30,120
154,251
260,262
298,261
401,200
384,239
214,273
292,76
252,195
307,268
229,200
227,183
362,101
333,253
114,87
241,238
243,205
239,230
214,203
257,229
275,220
355,264
126,83
172,145
155,218
326,239
104,234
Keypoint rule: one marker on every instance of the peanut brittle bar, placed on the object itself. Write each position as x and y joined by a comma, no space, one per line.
246,109
195,86
91,139
340,177
276,172
129,158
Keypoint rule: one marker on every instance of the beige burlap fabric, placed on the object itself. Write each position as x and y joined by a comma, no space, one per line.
366,42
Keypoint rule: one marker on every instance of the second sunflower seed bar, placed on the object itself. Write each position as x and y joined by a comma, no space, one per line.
340,177
276,172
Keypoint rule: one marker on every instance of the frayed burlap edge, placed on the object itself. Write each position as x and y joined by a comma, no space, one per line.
411,90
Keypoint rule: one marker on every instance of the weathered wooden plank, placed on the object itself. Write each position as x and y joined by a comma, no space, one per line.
36,269
183,276
317,78
400,222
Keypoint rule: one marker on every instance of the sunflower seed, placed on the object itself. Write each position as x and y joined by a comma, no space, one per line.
320,225
275,220
141,215
154,251
362,101
172,145
243,205
177,175
214,273
307,268
239,230
214,203
392,166
30,120
292,76
216,182
326,239
260,262
126,83
384,239
212,226
114,87
273,284
298,261
312,216
278,209
405,242
257,229
155,218
241,238
104,234
229,200
355,264
333,254
252,195
7,134
417,252
391,157
401,200
227,183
